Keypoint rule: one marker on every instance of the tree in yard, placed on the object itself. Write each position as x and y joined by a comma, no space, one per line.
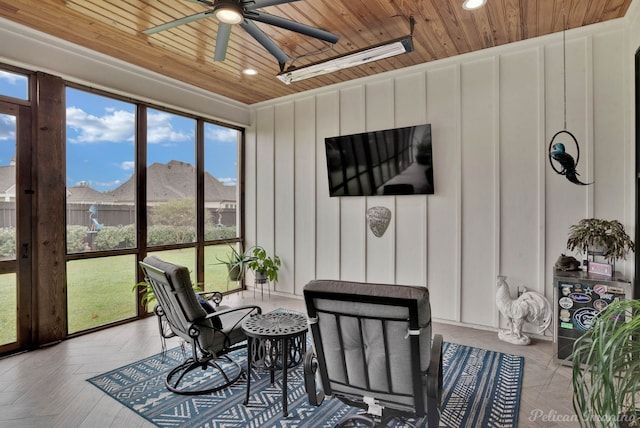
180,216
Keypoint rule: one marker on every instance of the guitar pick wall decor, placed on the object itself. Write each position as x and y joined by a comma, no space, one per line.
378,219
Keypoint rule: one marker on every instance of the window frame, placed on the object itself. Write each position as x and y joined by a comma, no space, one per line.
141,247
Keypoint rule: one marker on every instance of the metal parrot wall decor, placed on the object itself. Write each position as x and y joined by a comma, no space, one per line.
561,160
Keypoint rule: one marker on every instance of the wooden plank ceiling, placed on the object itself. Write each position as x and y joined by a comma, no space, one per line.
442,29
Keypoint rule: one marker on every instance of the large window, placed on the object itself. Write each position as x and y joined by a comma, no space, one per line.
8,289
220,181
100,165
220,201
171,178
15,161
110,168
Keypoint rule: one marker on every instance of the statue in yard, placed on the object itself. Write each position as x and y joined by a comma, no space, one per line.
93,216
530,306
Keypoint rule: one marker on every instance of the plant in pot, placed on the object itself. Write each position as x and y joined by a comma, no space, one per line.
606,368
264,266
147,295
236,263
593,236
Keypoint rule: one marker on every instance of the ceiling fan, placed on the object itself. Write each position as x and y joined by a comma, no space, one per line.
243,12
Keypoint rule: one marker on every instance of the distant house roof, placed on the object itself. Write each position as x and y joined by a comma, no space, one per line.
174,180
84,193
165,182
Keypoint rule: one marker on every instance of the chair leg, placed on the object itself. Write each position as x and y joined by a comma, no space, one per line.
221,382
434,383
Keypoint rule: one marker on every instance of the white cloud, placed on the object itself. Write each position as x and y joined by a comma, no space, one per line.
117,126
160,130
228,181
12,78
7,127
219,133
127,165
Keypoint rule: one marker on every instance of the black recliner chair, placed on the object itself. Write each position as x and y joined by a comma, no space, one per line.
373,349
211,335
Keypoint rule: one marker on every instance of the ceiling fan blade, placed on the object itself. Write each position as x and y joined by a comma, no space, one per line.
297,27
257,4
222,41
202,2
177,22
265,41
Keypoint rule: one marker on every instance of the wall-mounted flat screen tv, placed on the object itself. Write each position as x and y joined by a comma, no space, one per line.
388,162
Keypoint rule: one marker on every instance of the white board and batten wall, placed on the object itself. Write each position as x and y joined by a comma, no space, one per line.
498,207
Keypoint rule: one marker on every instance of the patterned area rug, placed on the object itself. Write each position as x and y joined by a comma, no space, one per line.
481,389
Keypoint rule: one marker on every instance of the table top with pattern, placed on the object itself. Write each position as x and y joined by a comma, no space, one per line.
275,324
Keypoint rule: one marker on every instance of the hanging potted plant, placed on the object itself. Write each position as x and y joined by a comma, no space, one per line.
593,236
263,266
606,368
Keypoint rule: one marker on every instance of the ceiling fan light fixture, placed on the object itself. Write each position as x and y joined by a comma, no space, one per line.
363,56
228,12
473,4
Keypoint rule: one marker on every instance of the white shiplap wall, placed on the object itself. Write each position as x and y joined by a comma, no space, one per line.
498,205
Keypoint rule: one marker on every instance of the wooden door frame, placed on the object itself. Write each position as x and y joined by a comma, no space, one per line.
22,266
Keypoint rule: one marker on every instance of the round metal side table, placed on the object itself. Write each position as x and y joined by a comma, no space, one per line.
275,341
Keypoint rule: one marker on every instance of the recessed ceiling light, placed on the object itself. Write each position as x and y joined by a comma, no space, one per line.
473,4
249,72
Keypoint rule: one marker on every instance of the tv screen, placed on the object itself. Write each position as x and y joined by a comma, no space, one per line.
389,162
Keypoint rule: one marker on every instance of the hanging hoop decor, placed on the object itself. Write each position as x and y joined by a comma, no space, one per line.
558,153
553,150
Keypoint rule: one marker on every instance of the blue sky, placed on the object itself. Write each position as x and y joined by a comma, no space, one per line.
100,138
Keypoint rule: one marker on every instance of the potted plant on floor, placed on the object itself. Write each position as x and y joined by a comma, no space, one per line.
264,266
593,236
236,263
606,368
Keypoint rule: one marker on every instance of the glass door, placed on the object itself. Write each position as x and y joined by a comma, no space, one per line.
15,227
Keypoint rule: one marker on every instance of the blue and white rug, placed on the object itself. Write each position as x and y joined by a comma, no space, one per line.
481,389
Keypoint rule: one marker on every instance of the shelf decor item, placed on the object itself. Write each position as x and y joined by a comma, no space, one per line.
597,237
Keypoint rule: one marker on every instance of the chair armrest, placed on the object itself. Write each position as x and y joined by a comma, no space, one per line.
310,368
214,296
249,309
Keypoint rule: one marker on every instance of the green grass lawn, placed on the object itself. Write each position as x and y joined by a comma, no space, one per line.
99,290
8,308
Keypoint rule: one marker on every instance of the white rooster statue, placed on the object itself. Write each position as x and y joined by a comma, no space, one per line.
530,306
